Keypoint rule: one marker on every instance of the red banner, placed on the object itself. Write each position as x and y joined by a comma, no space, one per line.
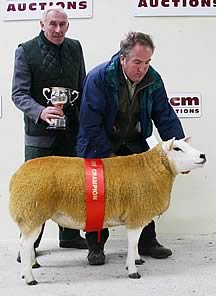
94,195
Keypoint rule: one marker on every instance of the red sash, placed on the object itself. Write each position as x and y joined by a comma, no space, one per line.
94,195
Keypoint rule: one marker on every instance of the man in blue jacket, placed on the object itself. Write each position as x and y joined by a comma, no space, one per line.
120,100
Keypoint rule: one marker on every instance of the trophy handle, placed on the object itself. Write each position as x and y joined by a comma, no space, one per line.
74,92
48,90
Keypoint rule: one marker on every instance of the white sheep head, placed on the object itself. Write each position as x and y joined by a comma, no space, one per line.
182,157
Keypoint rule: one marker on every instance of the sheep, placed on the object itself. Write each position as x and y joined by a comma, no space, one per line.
137,189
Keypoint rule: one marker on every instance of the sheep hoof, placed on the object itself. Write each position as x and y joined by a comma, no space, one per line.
139,261
32,283
36,265
134,275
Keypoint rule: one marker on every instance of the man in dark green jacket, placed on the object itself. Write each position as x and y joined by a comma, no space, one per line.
49,60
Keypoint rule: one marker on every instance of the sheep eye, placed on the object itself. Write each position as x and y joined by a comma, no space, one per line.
177,149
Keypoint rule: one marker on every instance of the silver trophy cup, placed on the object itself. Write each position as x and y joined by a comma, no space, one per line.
59,95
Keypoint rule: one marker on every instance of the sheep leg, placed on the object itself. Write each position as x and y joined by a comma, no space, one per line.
28,256
138,260
133,256
35,264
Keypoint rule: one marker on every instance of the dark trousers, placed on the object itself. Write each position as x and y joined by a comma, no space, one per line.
63,146
148,233
147,236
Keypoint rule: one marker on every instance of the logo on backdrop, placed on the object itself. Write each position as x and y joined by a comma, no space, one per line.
174,7
33,9
186,104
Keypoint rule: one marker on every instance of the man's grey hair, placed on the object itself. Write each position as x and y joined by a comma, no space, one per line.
133,38
51,8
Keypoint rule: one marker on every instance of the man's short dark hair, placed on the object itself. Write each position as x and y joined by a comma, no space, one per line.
132,39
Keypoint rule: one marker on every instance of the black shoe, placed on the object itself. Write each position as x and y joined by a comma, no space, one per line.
96,257
154,250
77,243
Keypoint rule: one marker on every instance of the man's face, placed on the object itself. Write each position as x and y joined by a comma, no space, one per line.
55,26
137,65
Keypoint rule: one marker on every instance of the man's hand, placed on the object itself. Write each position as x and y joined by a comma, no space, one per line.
52,112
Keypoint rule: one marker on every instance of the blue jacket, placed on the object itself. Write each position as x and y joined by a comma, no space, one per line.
99,105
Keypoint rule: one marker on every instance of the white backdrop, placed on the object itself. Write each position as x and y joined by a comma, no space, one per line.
184,56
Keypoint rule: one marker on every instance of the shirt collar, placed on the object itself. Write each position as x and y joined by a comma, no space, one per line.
129,83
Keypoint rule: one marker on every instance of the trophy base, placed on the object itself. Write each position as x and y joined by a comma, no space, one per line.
56,128
58,124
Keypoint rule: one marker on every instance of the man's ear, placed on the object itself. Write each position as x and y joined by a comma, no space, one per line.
122,59
42,25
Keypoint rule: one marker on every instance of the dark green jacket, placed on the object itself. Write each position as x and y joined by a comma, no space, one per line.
52,65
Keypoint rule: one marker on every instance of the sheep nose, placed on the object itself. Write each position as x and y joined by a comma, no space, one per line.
202,155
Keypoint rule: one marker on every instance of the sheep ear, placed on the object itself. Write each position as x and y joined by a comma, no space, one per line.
187,140
171,143
168,145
